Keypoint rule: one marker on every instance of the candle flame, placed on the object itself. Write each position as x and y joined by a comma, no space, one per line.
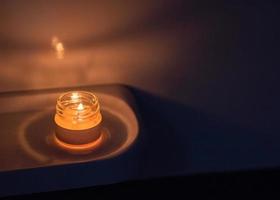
80,107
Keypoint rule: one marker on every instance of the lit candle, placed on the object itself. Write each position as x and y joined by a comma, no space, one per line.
78,121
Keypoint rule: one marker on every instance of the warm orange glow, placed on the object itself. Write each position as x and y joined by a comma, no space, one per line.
58,47
77,113
81,147
78,121
74,96
80,107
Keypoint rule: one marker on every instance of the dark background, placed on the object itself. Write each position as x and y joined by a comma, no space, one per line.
205,78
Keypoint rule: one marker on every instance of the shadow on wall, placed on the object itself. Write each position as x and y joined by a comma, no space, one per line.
181,140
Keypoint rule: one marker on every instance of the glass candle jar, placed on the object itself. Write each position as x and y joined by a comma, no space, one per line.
77,119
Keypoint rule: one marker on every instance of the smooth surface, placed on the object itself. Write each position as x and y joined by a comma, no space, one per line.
27,136
174,140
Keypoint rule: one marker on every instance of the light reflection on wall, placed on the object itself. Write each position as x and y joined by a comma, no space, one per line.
58,47
147,61
210,56
131,43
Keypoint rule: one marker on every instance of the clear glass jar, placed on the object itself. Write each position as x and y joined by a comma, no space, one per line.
77,110
77,119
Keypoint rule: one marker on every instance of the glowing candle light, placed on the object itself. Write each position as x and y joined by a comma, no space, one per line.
80,107
78,121
74,96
